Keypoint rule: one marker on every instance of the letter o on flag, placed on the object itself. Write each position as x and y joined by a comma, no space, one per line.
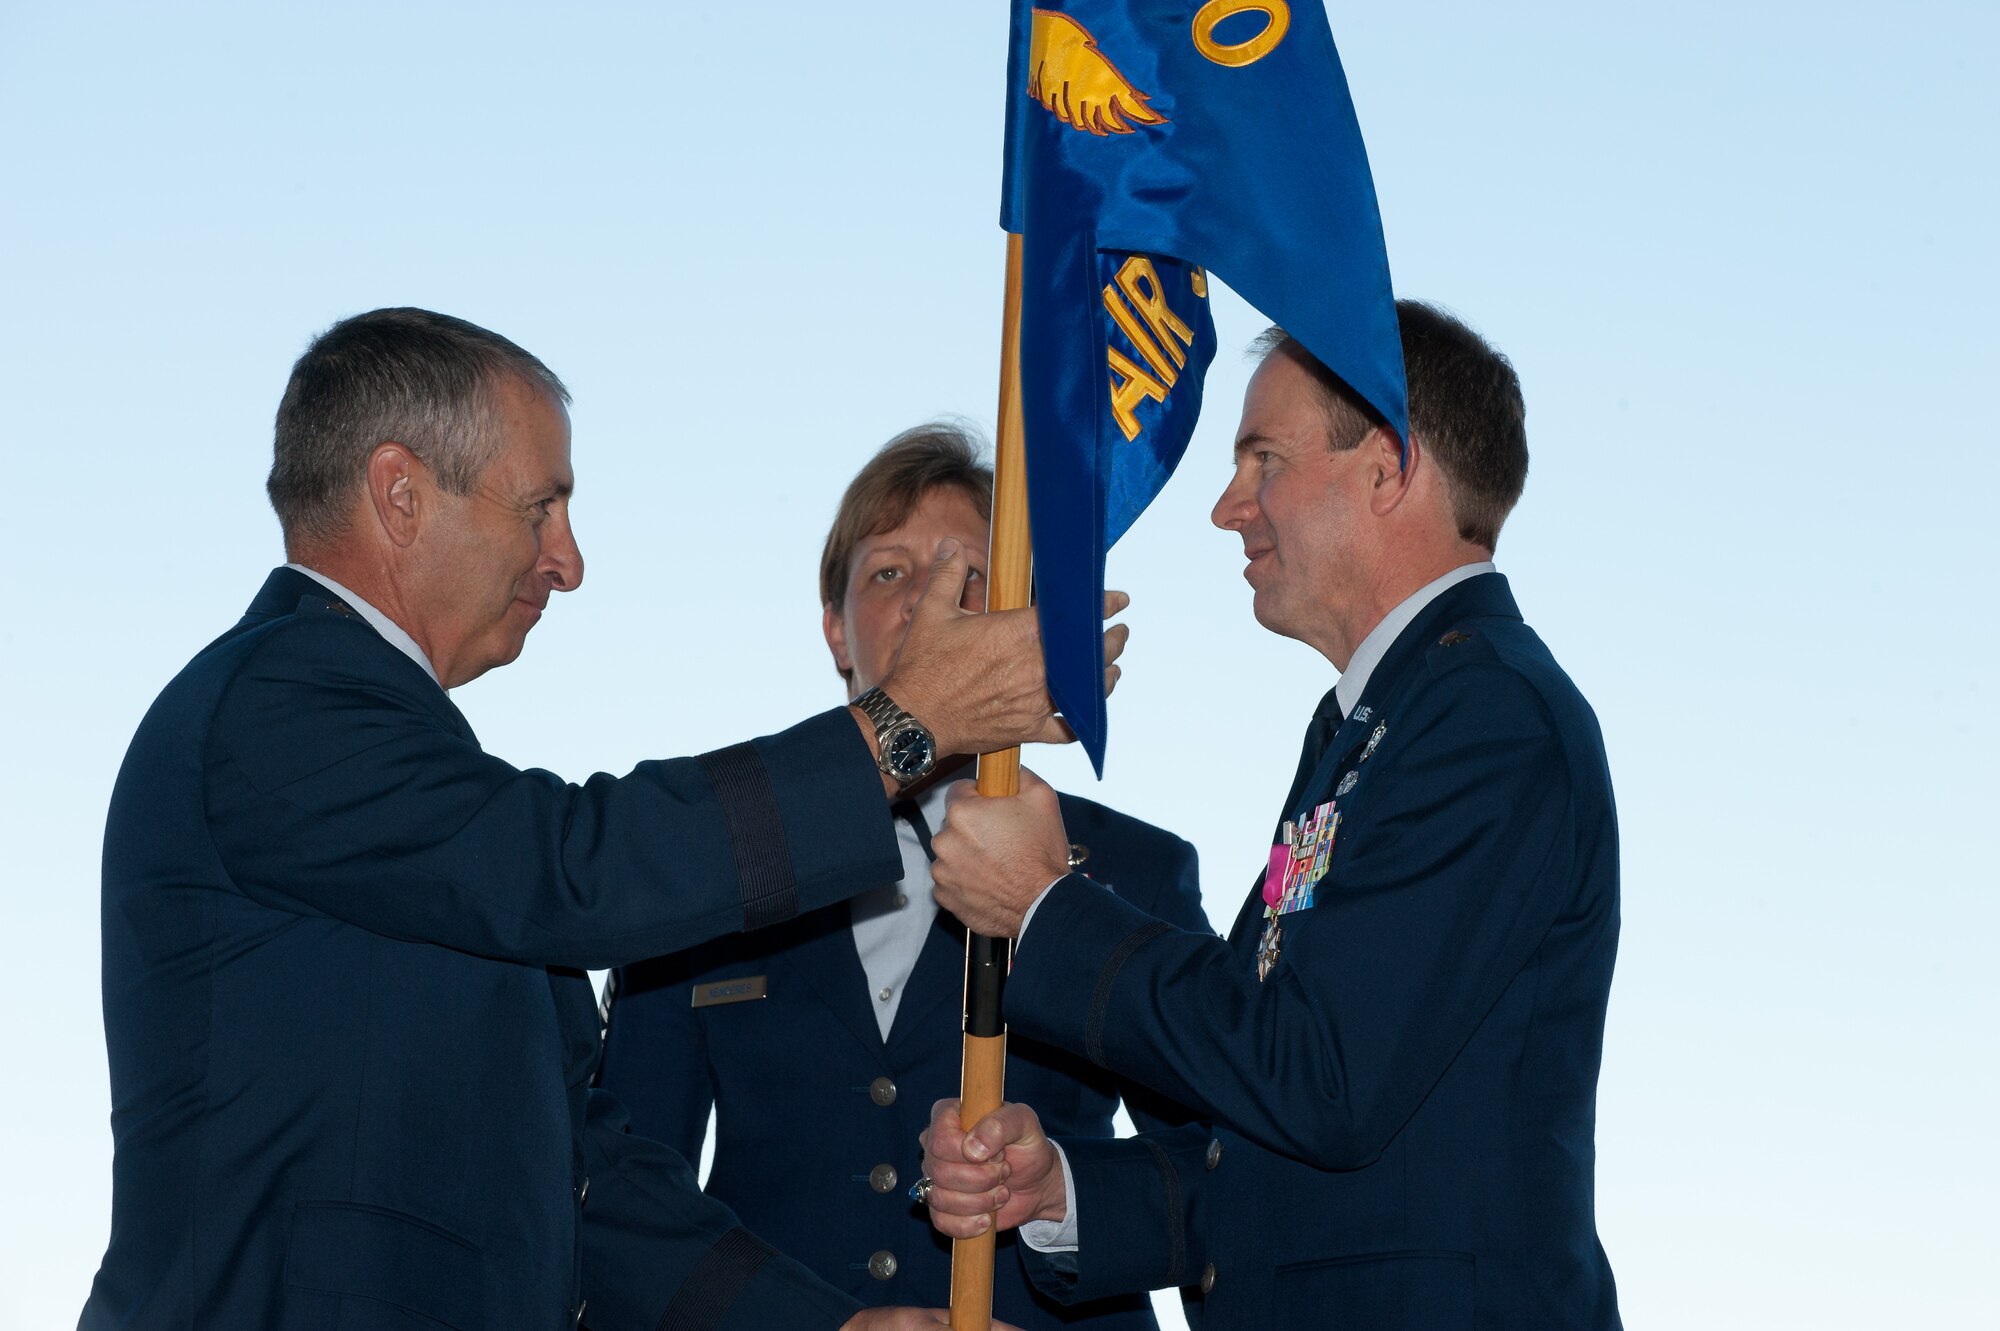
1277,19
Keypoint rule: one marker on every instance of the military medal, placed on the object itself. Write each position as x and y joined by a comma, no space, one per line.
1267,948
1298,862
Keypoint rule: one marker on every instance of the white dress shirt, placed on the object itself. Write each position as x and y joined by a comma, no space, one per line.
1060,1235
891,922
378,621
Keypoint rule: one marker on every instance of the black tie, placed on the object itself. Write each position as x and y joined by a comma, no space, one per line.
1319,734
908,811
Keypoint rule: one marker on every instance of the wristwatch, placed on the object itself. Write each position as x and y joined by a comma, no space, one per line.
909,750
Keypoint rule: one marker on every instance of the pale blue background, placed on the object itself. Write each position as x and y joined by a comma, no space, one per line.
1740,253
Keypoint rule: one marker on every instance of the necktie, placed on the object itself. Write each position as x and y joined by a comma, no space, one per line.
1326,720
908,811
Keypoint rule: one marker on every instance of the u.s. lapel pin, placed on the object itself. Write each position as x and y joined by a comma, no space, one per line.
1362,714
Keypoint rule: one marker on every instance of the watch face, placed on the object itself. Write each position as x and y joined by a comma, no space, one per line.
910,752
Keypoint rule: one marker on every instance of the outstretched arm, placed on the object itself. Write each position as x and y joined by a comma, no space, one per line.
1429,911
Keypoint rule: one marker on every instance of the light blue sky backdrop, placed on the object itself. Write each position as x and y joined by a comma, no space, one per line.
1742,255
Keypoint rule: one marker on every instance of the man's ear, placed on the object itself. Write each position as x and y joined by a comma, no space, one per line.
393,474
835,629
1395,470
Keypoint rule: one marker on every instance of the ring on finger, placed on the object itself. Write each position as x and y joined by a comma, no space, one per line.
920,1191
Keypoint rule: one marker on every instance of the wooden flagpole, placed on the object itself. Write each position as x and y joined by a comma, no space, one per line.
1008,585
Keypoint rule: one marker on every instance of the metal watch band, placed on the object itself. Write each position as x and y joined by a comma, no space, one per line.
890,721
880,708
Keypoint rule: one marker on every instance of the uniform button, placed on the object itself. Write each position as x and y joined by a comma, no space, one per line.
882,1178
882,1091
1208,1277
882,1265
902,900
886,993
1214,1153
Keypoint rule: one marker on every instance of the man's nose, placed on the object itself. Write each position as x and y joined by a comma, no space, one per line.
1235,506
562,560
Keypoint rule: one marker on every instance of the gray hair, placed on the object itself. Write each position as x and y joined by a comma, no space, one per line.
420,379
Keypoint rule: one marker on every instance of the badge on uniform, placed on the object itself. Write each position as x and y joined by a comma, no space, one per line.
742,989
1298,862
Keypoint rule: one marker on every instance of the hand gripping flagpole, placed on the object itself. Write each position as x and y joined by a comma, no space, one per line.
1008,586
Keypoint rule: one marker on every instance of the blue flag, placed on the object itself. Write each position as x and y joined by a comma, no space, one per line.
1149,143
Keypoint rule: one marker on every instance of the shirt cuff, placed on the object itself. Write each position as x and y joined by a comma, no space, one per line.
1026,919
1055,1235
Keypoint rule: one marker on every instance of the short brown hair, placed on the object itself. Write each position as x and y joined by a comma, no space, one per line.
889,488
1465,408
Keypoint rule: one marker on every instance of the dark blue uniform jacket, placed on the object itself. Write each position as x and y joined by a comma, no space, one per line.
1403,1112
811,1102
350,1033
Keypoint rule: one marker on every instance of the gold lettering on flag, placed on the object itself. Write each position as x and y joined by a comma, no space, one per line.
1151,326
1277,20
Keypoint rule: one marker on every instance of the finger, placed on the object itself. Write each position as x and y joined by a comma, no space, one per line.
957,792
1114,602
949,571
960,1179
1111,676
1115,639
960,1226
1031,780
955,1203
1010,1124
943,1139
947,1146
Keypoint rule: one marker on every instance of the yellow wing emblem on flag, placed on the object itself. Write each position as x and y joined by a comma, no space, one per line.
1072,78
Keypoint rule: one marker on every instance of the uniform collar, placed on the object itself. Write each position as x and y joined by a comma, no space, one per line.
1354,680
381,623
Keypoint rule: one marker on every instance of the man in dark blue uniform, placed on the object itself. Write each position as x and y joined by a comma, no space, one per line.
1398,1046
821,1044
350,1033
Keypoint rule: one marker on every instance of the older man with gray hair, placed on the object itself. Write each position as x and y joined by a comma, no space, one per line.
350,1032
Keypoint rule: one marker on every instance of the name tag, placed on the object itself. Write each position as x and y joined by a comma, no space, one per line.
717,992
